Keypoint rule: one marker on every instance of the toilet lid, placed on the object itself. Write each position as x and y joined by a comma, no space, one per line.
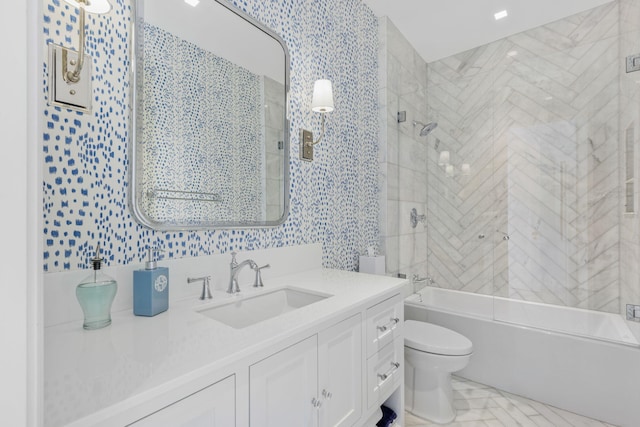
435,339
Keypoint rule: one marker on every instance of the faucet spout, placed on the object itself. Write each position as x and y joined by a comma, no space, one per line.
234,270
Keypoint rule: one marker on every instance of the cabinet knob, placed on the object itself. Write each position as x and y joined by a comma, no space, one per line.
327,394
316,403
394,368
393,322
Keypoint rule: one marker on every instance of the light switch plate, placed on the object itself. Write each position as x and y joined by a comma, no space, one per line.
306,149
76,96
633,63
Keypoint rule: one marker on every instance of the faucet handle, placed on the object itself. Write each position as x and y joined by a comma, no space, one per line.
258,282
233,258
206,289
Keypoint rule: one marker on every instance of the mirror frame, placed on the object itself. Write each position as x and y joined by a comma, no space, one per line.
136,91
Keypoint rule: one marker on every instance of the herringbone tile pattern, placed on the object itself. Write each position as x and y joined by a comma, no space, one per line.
478,405
535,116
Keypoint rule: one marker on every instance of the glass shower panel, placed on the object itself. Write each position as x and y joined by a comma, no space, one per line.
405,92
462,206
412,185
556,125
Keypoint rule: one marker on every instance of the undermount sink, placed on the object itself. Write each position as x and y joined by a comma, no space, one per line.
253,309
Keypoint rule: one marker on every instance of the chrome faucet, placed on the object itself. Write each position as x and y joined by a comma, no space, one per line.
416,279
235,268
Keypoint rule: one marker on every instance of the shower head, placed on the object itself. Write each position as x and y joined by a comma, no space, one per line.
426,129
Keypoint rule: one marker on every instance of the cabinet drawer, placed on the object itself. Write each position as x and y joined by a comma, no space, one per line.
385,371
384,323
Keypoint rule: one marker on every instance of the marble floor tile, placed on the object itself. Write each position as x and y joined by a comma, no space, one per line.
478,405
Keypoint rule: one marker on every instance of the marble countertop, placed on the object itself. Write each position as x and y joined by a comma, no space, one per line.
89,374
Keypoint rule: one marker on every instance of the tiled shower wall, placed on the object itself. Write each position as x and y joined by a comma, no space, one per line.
334,200
535,116
403,177
541,118
274,148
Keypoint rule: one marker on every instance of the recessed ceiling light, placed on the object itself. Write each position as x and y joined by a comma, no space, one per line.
512,53
501,14
193,3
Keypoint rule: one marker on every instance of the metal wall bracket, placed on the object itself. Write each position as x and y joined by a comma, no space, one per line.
633,63
62,92
633,312
306,145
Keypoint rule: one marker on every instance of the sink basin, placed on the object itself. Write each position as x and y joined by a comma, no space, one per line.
251,310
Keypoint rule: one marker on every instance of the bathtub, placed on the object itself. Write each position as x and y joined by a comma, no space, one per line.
581,361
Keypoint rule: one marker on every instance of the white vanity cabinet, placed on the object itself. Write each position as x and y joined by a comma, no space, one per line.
316,382
214,406
385,349
282,387
340,373
329,364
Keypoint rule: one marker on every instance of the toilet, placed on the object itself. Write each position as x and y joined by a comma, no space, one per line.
431,354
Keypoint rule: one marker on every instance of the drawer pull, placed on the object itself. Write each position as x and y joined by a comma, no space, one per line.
394,321
316,403
327,394
391,371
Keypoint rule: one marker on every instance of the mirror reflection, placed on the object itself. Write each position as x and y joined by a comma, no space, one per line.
211,147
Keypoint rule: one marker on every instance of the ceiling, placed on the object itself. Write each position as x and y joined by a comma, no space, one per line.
441,28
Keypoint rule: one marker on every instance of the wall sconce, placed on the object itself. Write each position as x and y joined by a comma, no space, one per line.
69,79
322,103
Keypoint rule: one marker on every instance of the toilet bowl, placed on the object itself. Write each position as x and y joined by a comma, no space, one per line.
431,354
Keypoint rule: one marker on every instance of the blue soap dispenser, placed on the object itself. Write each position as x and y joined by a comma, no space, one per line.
150,288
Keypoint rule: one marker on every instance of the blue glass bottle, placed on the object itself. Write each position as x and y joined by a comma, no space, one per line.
95,295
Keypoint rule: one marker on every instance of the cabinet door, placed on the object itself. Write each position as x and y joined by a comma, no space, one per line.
214,406
340,367
283,387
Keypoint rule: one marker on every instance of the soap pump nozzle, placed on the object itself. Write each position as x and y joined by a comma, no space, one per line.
96,261
151,263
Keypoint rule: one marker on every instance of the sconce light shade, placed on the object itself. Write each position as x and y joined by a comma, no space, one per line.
322,97
444,158
92,6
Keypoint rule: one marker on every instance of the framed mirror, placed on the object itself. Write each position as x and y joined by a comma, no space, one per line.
211,143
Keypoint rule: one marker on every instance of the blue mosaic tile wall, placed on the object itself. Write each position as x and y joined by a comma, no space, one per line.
334,200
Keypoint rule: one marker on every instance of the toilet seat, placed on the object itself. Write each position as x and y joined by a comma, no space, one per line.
435,339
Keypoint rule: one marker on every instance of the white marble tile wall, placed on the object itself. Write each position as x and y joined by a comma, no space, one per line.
403,80
535,116
274,147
